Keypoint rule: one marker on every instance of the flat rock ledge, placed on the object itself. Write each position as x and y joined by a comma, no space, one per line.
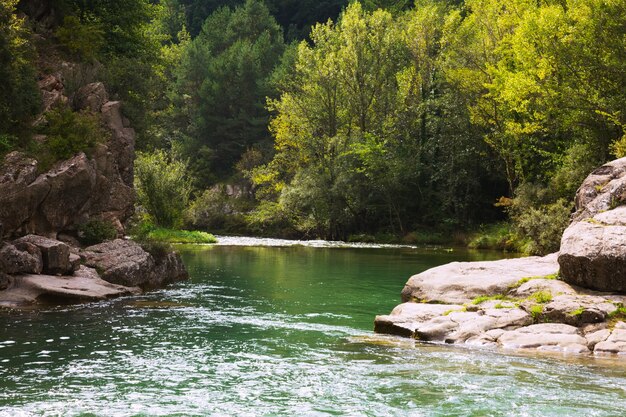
509,304
38,271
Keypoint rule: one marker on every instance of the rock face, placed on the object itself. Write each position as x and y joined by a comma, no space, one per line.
593,248
75,190
461,282
124,262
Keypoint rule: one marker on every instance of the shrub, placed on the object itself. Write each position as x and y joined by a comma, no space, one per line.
83,39
163,188
97,231
68,133
7,143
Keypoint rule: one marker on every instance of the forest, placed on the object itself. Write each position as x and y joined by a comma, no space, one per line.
435,121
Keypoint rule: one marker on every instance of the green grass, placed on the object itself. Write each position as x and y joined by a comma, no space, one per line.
160,234
499,297
617,315
526,279
497,236
577,312
541,297
536,311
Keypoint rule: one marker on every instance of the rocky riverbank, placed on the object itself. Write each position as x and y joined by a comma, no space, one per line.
572,301
42,213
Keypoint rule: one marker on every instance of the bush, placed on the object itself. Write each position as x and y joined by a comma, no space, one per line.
497,236
68,133
97,231
538,220
163,188
7,143
82,39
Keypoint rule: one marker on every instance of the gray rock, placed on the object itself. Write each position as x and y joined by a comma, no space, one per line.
577,310
22,258
91,97
461,282
126,263
85,285
5,281
615,343
593,256
602,190
547,336
593,338
55,254
405,318
553,286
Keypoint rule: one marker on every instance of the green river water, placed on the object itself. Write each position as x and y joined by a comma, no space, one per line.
280,331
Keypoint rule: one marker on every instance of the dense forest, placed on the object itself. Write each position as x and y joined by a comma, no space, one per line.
336,119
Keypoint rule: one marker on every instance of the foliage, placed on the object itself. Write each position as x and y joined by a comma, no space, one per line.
19,96
68,133
214,209
537,220
221,88
159,234
497,236
97,231
83,39
163,188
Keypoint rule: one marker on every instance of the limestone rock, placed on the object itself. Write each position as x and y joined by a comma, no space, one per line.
91,97
553,286
22,258
461,282
602,190
55,254
85,285
577,310
546,336
5,281
615,343
405,318
126,263
593,255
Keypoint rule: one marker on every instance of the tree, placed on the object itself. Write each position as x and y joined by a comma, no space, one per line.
19,96
163,188
222,85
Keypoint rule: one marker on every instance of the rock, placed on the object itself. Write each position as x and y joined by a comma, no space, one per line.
75,262
55,254
602,190
461,282
577,310
593,247
547,336
5,281
124,262
52,99
91,97
615,343
50,82
21,258
593,338
122,146
593,255
405,318
84,286
553,286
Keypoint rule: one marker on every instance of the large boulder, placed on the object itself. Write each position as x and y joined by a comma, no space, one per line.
126,263
593,247
461,282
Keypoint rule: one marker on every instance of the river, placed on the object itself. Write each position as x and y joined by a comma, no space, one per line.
280,331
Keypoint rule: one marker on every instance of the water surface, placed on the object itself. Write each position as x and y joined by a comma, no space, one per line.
279,331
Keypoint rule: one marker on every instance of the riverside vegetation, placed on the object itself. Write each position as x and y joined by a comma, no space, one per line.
334,119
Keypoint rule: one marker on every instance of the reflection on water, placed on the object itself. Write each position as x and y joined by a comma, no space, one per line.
279,331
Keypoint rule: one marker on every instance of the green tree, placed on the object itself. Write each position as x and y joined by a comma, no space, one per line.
19,96
163,188
222,85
